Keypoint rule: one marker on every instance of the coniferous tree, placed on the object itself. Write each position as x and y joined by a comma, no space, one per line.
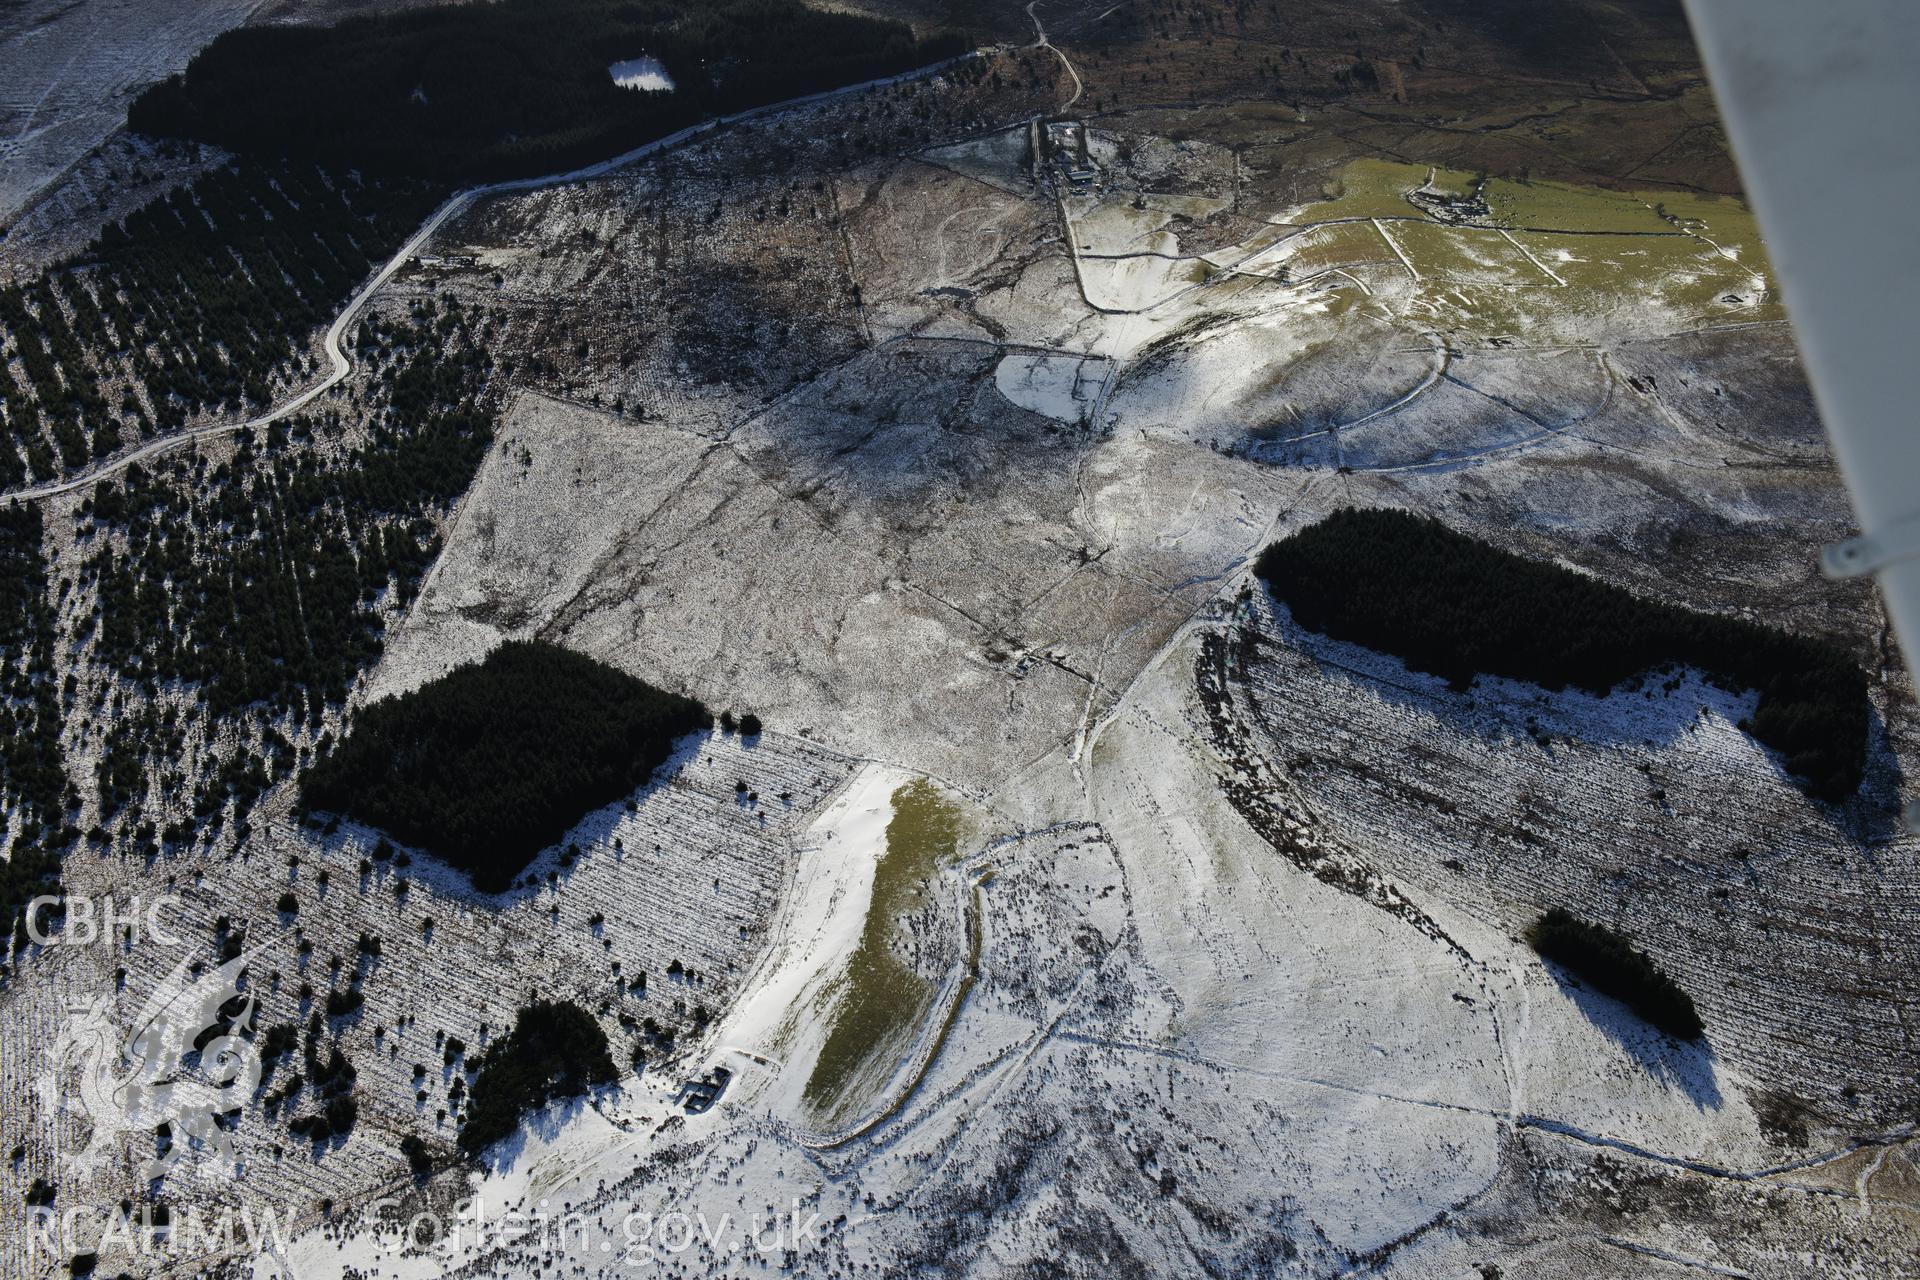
1458,608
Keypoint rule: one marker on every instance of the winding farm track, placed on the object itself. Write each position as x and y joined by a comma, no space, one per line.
456,203
1041,42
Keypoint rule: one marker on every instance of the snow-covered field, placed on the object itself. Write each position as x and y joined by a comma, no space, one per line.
1232,999
68,71
1227,978
1062,387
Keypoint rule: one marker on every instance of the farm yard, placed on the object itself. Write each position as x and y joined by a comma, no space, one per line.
1075,900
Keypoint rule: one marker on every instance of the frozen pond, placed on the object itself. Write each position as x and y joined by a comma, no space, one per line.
644,73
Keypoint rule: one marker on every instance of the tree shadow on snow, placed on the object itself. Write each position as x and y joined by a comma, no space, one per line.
545,1124
1656,710
1684,1066
1499,710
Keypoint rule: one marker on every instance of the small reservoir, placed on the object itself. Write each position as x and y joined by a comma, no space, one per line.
647,74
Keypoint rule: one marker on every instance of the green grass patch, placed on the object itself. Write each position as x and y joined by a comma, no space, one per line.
1576,253
882,999
1454,184
1367,189
1466,256
1558,206
1350,245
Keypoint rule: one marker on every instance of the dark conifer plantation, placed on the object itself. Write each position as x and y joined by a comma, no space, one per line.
34,789
1614,967
258,581
203,301
515,87
493,762
261,584
1458,608
555,1050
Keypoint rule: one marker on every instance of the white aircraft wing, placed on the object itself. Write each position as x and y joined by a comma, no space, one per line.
1822,104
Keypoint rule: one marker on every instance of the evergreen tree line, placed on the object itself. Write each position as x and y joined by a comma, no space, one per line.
516,87
201,299
62,391
555,1050
493,762
35,793
1458,608
1615,967
260,583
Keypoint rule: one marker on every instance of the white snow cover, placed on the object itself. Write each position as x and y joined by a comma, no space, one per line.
1176,1046
1063,388
782,1017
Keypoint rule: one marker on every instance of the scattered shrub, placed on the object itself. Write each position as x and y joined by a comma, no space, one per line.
278,1041
419,1155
